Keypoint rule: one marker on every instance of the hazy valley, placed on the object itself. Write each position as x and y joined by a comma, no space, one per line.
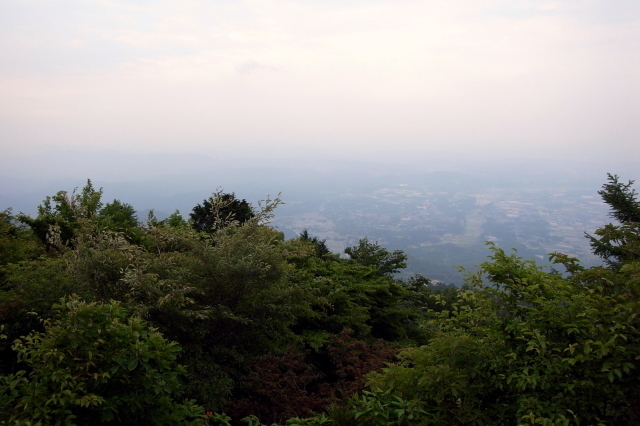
439,208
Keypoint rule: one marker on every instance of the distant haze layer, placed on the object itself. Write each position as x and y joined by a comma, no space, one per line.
179,181
438,207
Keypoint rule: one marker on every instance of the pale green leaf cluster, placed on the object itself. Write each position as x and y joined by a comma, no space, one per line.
95,363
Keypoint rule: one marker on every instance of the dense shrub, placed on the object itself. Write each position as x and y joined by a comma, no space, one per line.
534,348
95,364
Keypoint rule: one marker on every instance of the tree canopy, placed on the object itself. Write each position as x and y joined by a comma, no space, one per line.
110,321
218,211
619,243
372,254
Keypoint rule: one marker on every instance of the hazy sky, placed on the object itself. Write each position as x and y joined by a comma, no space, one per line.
515,76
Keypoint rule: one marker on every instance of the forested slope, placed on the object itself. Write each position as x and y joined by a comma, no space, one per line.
219,319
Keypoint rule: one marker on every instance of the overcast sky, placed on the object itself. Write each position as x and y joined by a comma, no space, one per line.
515,76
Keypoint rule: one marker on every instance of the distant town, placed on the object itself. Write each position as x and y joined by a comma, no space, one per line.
536,220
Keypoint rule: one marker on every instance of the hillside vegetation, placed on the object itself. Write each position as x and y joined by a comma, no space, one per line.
219,319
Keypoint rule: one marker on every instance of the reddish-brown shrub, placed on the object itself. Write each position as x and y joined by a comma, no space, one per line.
278,389
295,384
352,360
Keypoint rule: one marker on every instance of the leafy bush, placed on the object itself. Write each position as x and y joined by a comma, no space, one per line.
534,348
94,364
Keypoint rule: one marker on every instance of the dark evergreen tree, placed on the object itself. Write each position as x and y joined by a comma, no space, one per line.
218,211
121,217
372,254
618,243
320,246
622,199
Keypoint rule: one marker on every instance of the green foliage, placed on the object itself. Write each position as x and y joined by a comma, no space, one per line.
263,321
56,224
98,261
16,242
619,243
34,286
175,220
216,419
534,348
386,409
354,296
425,299
319,246
226,297
622,199
95,364
295,421
371,254
220,210
29,290
121,217
232,297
